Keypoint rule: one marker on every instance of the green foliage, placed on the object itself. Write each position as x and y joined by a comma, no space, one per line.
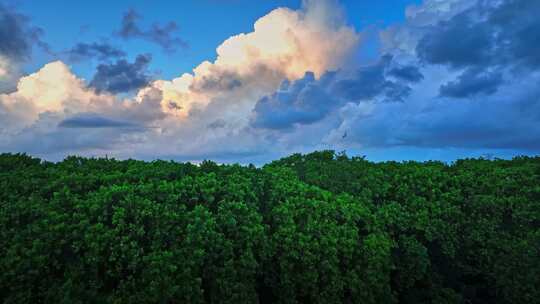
316,228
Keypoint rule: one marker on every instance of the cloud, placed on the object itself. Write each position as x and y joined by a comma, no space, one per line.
440,45
502,121
217,124
53,113
284,44
17,39
452,50
122,76
371,81
92,120
100,50
9,72
55,89
3,67
472,82
308,100
518,32
51,89
216,81
468,56
163,35
45,138
17,35
486,34
292,84
302,102
408,73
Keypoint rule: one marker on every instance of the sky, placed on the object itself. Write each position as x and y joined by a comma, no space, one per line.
251,81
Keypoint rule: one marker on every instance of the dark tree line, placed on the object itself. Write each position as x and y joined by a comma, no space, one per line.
316,228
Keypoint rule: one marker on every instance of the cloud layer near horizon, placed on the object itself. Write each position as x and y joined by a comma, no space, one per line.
293,84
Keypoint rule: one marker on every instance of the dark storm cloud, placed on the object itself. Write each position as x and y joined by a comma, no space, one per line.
163,35
17,35
486,34
122,76
519,32
90,120
459,42
99,50
472,82
304,101
371,81
408,73
309,100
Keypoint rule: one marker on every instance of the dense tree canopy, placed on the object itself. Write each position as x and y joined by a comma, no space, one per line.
316,228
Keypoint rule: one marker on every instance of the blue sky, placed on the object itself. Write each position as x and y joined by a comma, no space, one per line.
251,81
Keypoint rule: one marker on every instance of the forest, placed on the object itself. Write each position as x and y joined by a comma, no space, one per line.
315,228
